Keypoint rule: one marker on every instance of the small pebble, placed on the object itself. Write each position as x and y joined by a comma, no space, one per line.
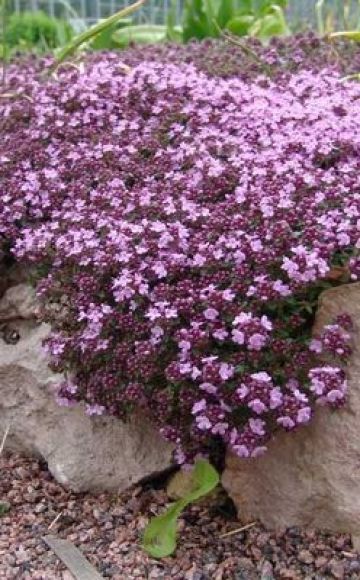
306,557
337,570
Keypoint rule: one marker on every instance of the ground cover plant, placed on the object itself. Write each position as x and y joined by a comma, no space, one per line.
181,226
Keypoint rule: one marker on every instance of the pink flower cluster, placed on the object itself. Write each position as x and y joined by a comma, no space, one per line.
182,227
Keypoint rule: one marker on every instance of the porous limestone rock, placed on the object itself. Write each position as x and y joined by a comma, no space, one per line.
310,477
83,453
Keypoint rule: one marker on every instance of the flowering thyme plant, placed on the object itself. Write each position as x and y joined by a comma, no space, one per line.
182,227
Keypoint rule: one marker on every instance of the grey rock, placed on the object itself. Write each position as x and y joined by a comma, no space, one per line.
19,302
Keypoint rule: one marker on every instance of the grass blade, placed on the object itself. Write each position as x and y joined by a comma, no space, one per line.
89,34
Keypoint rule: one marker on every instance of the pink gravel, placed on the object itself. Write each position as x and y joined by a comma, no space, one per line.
107,529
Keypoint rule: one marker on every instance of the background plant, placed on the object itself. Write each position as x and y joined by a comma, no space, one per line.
35,31
337,14
205,18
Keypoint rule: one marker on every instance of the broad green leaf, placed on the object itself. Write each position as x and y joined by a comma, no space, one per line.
243,7
225,12
212,9
240,25
347,35
105,40
176,34
92,32
261,7
160,535
272,24
199,19
140,34
173,32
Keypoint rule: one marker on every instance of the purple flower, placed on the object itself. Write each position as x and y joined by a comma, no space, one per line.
226,371
198,407
257,406
203,423
238,337
211,314
94,409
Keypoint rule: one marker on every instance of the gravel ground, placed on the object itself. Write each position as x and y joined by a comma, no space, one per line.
107,528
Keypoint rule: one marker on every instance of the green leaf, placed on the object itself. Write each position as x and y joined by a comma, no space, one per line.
159,538
240,25
261,7
225,12
140,34
173,32
199,19
105,40
319,8
273,23
244,7
4,508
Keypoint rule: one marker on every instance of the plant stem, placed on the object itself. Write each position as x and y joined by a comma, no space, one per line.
320,16
248,51
83,37
3,34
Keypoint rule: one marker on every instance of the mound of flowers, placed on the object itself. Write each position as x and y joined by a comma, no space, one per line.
181,227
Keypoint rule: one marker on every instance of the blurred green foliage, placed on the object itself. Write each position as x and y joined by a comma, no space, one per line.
208,18
263,19
35,31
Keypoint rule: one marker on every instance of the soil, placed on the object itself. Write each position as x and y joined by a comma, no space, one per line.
107,528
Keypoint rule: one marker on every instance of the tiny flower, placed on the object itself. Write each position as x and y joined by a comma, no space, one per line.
211,314
257,426
238,337
286,422
199,406
203,423
257,341
94,409
316,346
257,406
266,323
220,334
208,388
241,450
226,371
228,295
276,398
304,415
335,395
261,376
219,428
242,391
